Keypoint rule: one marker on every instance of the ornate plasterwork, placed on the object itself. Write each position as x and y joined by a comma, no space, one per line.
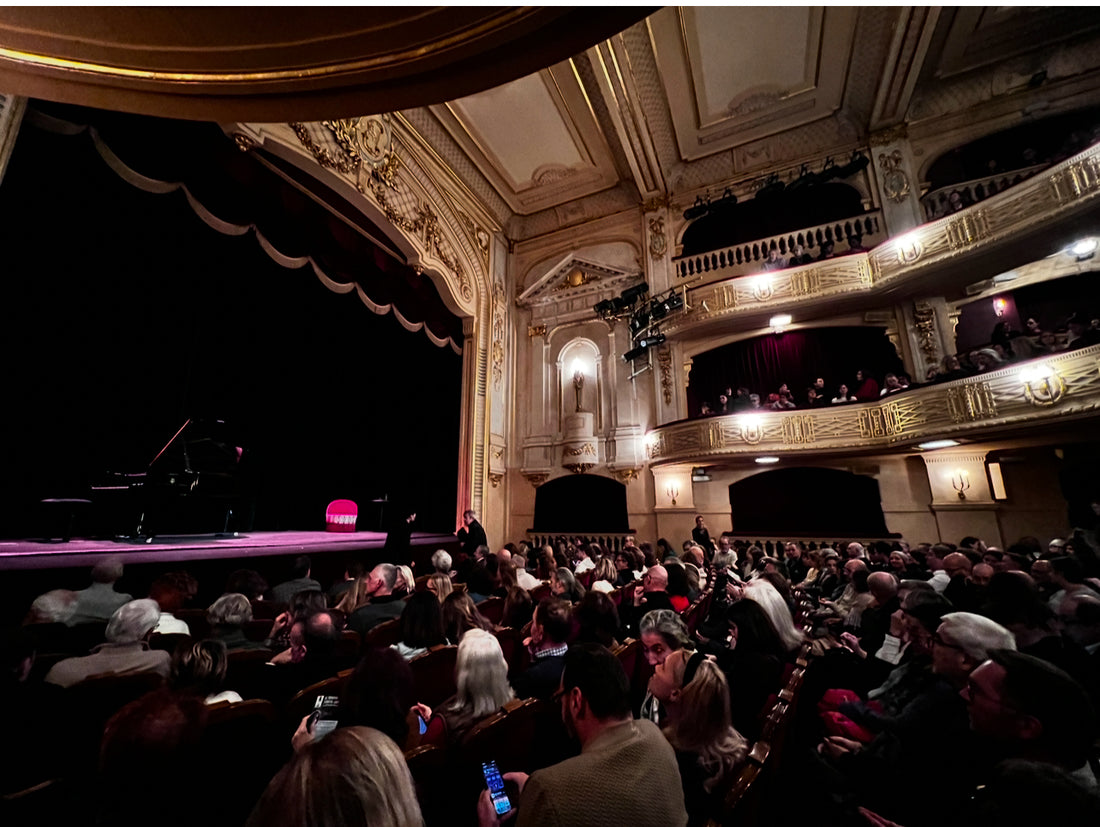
496,346
664,360
535,478
924,320
374,155
1065,385
574,277
626,475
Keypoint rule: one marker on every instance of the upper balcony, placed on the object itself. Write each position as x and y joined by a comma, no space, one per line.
1022,223
1046,391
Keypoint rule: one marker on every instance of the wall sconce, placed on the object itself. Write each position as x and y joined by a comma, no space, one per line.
673,492
1043,386
762,287
909,248
779,323
960,481
1000,306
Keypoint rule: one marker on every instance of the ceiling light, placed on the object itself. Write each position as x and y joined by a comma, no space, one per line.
780,322
938,443
767,460
1001,278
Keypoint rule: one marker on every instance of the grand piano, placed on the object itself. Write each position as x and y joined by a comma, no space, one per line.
193,485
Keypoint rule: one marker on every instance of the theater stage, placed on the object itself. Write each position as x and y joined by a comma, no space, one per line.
33,554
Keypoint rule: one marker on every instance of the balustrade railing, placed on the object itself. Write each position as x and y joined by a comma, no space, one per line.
937,203
611,542
749,257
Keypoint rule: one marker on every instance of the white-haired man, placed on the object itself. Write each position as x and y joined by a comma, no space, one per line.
384,604
100,600
125,652
441,562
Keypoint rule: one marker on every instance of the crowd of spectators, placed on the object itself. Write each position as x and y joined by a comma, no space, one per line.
1006,346
954,656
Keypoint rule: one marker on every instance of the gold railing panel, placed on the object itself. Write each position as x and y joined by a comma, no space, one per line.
1062,385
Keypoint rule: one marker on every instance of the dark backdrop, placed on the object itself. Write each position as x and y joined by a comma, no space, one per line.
125,314
796,358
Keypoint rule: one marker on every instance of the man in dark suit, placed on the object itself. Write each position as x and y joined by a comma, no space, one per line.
384,604
701,536
472,535
550,628
652,595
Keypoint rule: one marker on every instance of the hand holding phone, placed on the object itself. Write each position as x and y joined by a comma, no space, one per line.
322,720
495,782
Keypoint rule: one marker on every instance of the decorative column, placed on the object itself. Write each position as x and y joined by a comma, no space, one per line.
11,116
894,172
930,333
962,500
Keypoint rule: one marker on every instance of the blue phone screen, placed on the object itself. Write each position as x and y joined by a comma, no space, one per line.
495,783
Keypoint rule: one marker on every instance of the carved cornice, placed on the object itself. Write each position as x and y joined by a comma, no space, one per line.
1064,385
1045,198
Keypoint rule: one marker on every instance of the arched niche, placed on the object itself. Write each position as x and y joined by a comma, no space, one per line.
807,502
581,504
579,365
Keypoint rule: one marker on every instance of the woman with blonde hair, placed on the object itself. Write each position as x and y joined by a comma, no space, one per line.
440,585
460,615
695,695
406,583
481,675
353,777
604,576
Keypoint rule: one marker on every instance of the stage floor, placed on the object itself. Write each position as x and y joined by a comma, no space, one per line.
33,554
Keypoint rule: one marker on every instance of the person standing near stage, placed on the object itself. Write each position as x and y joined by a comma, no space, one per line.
471,535
398,548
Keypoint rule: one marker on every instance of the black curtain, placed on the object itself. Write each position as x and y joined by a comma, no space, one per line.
126,314
796,358
581,504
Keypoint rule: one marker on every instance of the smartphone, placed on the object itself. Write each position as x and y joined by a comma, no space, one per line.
322,720
495,782
423,724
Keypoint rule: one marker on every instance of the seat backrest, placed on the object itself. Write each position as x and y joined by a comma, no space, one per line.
169,642
515,653
743,803
492,609
434,674
627,652
341,515
383,635
302,703
198,624
507,737
93,701
244,741
540,593
421,583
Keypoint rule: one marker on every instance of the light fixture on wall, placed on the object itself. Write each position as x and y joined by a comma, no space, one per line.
673,492
999,306
960,481
1083,249
779,323
767,460
933,444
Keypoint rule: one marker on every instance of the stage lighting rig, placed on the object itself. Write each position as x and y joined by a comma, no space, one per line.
621,306
643,346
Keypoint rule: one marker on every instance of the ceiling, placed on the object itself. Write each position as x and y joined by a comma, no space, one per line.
601,111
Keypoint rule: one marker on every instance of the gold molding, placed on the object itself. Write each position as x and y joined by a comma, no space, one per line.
626,475
494,479
1042,199
1060,386
535,478
580,467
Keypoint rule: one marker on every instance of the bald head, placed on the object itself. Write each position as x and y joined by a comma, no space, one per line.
856,551
852,566
981,574
656,579
883,586
956,563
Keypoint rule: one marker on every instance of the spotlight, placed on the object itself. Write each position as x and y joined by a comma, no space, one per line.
639,322
652,341
1083,249
632,294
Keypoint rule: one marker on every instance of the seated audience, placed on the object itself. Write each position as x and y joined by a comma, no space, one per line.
301,606
381,694
604,576
169,594
518,608
421,626
779,614
867,389
652,595
382,603
564,585
460,615
125,652
661,632
843,395
100,600
440,585
312,657
481,675
353,777
632,764
677,588
695,695
247,582
597,619
441,562
299,581
406,583
198,668
227,617
547,645
352,572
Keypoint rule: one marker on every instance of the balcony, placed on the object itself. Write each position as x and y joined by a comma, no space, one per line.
932,257
1054,389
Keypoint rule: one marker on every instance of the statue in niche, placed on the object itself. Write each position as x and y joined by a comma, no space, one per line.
578,388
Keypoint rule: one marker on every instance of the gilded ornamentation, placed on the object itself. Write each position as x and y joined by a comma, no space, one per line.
664,360
494,479
626,475
798,429
496,348
576,278
924,320
658,243
751,432
536,330
497,451
1043,386
579,467
378,181
890,136
244,142
895,183
586,449
968,228
1076,179
971,402
536,479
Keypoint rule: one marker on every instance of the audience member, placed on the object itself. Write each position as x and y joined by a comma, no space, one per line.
564,585
167,591
441,562
227,617
125,652
100,600
299,581
481,675
381,694
661,632
384,604
199,668
550,630
461,615
421,625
